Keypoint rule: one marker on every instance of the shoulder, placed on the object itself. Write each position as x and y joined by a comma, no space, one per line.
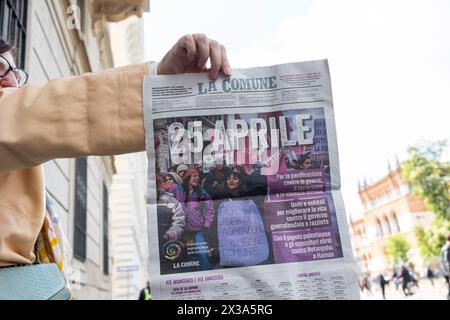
203,193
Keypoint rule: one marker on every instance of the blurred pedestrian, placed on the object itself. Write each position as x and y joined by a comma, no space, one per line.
430,275
383,282
366,283
406,280
146,293
414,275
395,278
445,260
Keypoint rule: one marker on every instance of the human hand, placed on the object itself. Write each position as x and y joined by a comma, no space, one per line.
169,236
190,54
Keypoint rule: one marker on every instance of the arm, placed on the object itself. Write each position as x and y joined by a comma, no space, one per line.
178,220
91,114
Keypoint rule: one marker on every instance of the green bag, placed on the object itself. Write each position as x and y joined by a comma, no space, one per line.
33,282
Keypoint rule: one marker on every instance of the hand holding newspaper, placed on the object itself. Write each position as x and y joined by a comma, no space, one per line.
244,194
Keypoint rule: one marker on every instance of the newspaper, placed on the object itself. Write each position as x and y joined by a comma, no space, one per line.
244,196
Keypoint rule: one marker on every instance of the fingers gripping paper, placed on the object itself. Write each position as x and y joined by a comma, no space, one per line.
244,194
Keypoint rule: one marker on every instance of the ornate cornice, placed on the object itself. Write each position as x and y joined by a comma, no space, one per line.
118,10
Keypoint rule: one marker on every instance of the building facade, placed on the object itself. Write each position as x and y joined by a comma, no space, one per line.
390,208
128,206
129,227
60,38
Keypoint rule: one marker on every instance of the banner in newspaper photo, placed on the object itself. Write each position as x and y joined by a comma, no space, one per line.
244,199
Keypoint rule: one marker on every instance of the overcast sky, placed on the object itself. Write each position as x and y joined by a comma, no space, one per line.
389,64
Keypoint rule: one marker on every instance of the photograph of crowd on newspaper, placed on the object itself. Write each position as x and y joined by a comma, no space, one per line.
238,210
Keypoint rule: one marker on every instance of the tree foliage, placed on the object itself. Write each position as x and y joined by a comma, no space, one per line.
397,248
429,177
432,239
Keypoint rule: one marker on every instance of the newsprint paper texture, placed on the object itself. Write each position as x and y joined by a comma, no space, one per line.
244,196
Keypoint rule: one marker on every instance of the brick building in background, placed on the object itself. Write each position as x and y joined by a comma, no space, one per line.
389,209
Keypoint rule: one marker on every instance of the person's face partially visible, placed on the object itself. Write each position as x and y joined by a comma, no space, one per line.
307,164
194,180
233,182
181,173
8,81
169,179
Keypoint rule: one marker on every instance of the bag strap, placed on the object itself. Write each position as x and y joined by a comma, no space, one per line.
36,252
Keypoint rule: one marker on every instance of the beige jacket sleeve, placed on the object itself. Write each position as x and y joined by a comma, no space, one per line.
91,114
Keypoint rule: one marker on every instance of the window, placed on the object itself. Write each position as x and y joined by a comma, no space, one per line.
105,232
388,226
380,232
81,5
80,208
397,225
13,24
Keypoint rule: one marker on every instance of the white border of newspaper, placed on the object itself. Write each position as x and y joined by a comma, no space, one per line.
185,105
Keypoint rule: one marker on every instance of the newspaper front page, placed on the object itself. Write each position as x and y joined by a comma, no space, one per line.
244,196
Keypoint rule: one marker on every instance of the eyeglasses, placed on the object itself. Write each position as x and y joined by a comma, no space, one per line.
20,74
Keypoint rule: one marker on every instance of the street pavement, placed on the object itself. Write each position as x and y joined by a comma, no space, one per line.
425,291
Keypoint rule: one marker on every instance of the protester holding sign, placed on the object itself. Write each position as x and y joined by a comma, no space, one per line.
240,228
